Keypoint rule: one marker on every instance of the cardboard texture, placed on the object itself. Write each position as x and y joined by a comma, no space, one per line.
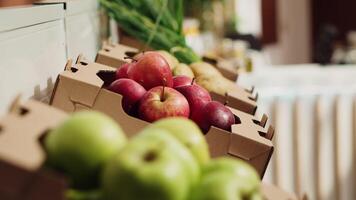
83,87
250,140
271,192
22,156
113,55
239,98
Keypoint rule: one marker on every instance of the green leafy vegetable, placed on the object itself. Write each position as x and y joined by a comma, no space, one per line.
157,23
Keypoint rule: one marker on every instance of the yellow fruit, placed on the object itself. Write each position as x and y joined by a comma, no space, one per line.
204,69
211,79
183,69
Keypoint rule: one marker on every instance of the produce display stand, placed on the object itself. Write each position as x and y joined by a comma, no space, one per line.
56,31
82,86
240,98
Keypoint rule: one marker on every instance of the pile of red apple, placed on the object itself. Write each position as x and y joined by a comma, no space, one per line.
150,92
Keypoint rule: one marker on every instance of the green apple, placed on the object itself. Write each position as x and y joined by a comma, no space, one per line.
189,134
154,165
82,144
222,185
190,163
240,169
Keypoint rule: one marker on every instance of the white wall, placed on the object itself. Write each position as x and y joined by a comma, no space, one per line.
294,33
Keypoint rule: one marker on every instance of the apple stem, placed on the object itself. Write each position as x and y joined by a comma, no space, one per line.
193,80
131,58
164,85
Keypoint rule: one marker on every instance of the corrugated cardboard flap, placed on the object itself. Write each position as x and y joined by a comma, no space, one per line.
82,84
250,132
219,141
114,54
21,130
243,99
22,156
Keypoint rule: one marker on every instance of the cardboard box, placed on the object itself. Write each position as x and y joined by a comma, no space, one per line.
271,192
114,55
82,86
22,156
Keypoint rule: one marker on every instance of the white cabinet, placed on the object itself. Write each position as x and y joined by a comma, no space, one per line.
32,51
82,24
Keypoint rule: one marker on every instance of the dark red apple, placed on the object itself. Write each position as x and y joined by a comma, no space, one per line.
218,115
160,102
192,93
198,116
182,80
131,91
212,113
122,72
151,70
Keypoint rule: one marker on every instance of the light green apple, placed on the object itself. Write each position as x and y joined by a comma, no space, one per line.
153,166
82,144
222,185
240,169
189,134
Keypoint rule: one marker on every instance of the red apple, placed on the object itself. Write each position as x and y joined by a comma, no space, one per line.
151,70
212,113
182,80
218,115
122,72
160,102
198,116
192,93
131,91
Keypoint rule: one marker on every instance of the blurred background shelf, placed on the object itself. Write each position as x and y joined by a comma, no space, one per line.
32,51
37,40
313,109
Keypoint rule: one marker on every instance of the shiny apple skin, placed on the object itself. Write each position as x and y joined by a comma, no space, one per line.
151,70
153,107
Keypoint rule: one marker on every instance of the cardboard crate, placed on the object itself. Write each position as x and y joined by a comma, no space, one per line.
242,99
82,86
22,156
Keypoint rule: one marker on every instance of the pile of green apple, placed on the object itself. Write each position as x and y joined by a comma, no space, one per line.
168,160
151,92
